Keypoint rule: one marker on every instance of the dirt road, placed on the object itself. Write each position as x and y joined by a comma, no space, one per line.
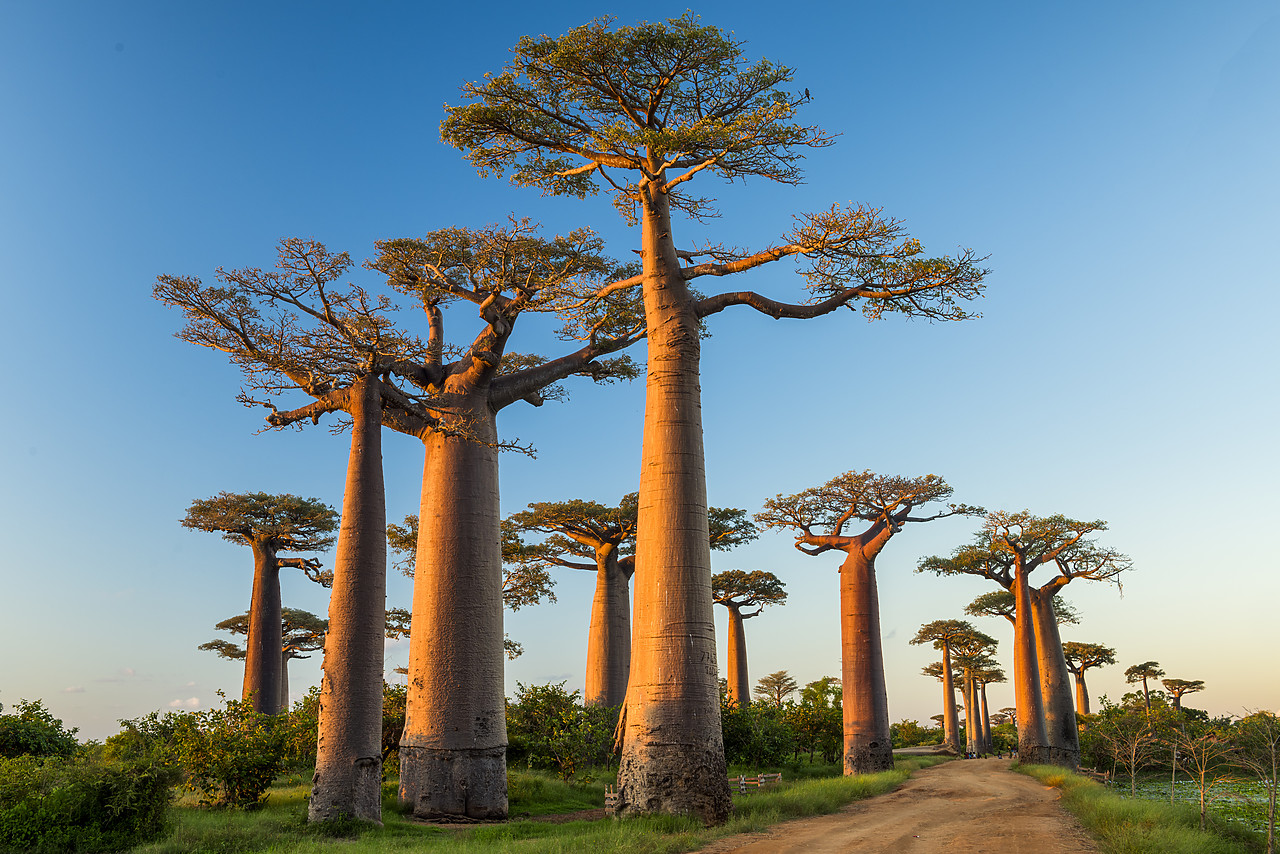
973,806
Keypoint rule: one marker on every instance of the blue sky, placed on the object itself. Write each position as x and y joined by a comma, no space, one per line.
1115,161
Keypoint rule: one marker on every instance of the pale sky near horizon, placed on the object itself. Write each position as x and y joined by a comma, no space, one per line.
1116,162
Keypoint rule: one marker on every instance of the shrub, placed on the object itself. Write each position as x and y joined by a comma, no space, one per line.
549,728
231,755
55,804
757,734
33,731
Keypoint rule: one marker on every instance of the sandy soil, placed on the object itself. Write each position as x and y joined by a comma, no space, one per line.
962,807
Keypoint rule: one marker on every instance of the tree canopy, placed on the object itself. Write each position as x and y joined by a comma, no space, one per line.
756,589
289,522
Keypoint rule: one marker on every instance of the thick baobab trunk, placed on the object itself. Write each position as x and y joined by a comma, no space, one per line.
1033,743
950,721
987,744
1055,683
453,751
868,747
262,649
609,639
284,683
972,727
348,778
1082,693
672,745
739,683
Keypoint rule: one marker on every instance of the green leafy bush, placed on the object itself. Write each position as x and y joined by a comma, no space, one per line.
55,804
756,735
231,755
33,731
548,728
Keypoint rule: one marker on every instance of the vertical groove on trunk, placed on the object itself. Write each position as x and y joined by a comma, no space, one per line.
1055,683
609,638
1033,743
348,778
950,722
453,751
673,748
739,684
868,747
262,647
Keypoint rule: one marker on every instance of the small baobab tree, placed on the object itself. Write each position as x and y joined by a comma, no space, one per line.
982,677
737,590
1141,673
641,112
1082,657
1179,688
1007,550
301,631
819,515
776,687
268,524
944,636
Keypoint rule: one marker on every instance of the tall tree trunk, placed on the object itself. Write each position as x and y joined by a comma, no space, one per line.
348,778
868,747
950,722
1055,683
985,717
1033,743
739,684
262,648
609,639
972,726
1082,693
673,749
453,751
284,682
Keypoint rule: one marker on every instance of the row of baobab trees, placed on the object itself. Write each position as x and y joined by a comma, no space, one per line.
638,113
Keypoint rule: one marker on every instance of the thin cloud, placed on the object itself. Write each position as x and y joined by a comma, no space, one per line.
73,689
189,703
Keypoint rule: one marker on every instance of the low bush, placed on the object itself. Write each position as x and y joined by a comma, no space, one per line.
33,731
55,805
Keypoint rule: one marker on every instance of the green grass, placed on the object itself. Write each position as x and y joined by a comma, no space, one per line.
1132,826
281,825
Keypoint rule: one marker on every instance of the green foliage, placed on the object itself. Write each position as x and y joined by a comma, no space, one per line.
288,521
909,733
32,731
757,735
818,719
395,700
548,727
55,804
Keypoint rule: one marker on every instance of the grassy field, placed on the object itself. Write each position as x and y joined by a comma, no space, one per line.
281,825
1125,825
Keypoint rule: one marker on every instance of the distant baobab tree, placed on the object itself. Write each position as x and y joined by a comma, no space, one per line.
1082,657
292,329
982,677
268,524
1178,688
944,635
776,687
1141,673
819,516
1010,547
683,100
949,720
736,590
301,631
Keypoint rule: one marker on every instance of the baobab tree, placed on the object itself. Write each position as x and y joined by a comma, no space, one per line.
268,524
297,329
300,631
944,635
453,750
1141,673
885,504
1007,550
1178,688
1082,657
737,590
776,687
640,112
984,676
973,654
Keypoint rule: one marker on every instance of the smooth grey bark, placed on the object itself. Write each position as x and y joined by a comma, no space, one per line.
1055,682
609,637
950,720
262,646
1033,742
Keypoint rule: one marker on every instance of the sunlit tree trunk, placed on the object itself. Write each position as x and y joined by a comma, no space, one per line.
348,777
972,726
609,638
262,649
1033,743
453,751
673,750
868,747
284,683
1082,693
739,683
1055,683
987,744
950,721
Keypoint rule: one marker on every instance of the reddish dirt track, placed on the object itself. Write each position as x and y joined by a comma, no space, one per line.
973,806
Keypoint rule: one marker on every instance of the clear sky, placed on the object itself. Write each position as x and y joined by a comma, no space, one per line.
1117,162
